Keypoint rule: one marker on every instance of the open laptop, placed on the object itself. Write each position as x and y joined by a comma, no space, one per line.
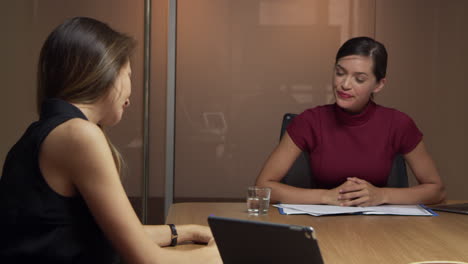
244,242
461,208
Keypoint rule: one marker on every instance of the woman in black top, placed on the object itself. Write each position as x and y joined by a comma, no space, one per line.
61,198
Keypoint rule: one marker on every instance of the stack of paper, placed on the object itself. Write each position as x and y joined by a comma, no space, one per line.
318,210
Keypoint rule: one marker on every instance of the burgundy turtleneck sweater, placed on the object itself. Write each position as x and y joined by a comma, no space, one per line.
342,145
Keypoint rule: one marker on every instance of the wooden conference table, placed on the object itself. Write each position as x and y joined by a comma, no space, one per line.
355,238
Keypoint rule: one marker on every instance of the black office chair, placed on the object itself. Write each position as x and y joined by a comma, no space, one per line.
300,175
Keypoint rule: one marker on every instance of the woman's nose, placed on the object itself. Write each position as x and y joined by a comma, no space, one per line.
346,84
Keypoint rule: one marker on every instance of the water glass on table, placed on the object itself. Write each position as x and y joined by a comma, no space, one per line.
258,200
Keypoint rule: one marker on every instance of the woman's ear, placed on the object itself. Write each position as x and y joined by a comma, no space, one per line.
380,85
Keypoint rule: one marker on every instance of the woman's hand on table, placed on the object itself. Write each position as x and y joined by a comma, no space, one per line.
361,193
195,233
334,196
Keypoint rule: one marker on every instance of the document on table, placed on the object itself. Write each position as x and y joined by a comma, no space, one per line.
318,210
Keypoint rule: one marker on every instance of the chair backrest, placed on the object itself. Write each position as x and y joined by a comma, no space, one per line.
300,174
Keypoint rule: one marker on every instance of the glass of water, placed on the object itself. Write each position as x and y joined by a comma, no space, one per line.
258,200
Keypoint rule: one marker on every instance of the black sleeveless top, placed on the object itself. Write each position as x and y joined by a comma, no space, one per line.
38,225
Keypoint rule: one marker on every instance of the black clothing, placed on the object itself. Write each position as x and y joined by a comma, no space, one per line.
38,225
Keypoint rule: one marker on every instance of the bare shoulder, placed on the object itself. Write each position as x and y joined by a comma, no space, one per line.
74,142
77,131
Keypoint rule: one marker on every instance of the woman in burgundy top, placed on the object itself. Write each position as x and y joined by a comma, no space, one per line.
352,143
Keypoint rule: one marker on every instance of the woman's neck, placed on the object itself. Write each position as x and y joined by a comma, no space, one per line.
91,111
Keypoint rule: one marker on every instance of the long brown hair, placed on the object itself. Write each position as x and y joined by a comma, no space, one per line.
79,63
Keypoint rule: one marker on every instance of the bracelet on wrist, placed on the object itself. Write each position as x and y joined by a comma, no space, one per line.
174,235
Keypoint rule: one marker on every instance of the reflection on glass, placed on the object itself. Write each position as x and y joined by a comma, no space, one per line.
240,66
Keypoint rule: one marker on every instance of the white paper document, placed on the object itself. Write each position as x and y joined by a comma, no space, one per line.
318,210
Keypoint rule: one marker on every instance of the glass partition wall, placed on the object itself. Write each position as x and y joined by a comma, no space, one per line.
27,24
241,65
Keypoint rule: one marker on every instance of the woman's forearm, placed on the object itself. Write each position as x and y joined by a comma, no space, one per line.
288,194
159,234
428,193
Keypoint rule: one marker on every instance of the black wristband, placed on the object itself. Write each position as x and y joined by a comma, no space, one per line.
174,235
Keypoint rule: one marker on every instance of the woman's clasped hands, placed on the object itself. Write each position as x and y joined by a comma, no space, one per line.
355,192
